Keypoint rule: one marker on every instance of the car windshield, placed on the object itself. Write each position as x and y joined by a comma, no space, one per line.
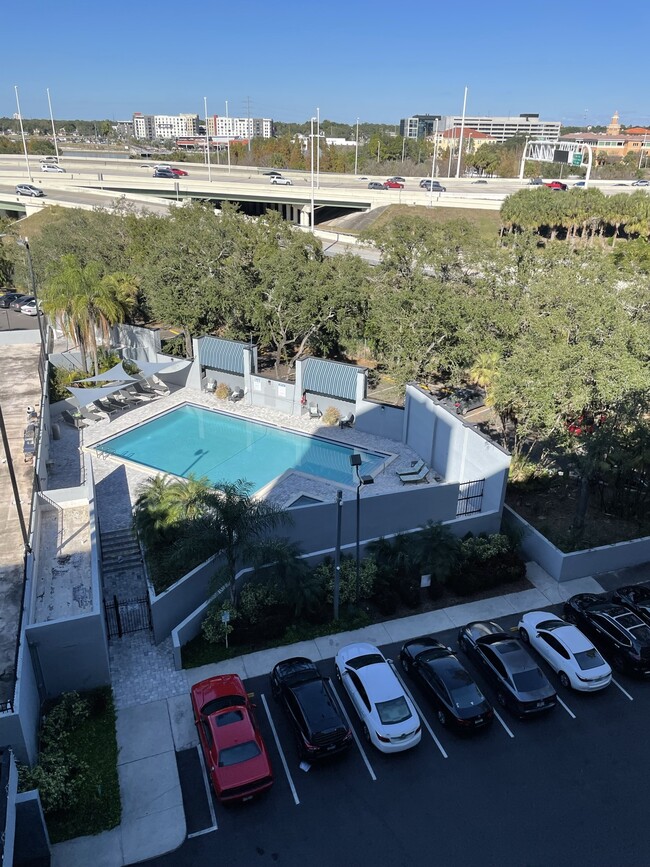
467,695
366,659
527,681
238,754
221,703
394,711
587,659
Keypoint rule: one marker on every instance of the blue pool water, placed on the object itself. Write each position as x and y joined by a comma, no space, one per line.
226,448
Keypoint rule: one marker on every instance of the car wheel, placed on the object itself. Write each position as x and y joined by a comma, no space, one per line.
464,644
406,665
442,717
524,635
564,680
366,733
338,674
501,698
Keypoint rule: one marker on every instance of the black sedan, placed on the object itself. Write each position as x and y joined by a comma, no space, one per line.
618,632
8,298
17,302
457,698
314,712
636,598
520,684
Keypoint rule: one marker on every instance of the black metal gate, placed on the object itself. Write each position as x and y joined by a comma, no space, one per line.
127,615
470,497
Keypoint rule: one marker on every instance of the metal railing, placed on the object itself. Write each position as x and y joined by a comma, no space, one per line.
470,497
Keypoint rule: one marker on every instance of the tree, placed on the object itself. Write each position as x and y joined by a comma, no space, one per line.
439,551
278,561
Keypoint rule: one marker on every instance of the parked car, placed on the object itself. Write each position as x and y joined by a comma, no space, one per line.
28,190
8,297
52,167
287,182
435,186
312,707
388,716
19,300
556,185
376,185
179,173
618,632
393,185
636,598
397,179
235,755
520,684
464,399
457,699
640,183
569,653
273,174
163,173
30,308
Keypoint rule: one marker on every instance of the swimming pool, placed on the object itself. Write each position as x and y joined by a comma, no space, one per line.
225,448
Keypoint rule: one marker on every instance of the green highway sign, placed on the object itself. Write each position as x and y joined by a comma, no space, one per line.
576,159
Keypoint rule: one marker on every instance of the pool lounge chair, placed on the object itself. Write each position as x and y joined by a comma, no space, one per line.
73,420
415,467
347,421
107,410
314,411
238,394
90,414
420,476
147,393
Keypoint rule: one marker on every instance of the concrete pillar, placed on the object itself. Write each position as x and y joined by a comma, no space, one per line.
297,392
248,366
305,216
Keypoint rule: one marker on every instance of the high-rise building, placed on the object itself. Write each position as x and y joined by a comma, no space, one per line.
240,127
143,126
419,126
151,126
495,127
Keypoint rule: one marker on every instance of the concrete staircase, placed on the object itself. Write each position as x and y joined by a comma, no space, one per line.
122,567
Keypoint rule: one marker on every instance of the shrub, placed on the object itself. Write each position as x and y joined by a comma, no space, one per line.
348,585
386,601
435,590
213,628
222,391
409,591
488,562
331,416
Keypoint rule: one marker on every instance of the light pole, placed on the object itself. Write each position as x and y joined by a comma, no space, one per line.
337,554
56,146
433,164
228,134
356,150
207,139
355,461
22,134
311,140
462,131
318,149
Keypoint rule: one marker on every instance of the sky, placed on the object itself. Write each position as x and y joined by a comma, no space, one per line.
378,61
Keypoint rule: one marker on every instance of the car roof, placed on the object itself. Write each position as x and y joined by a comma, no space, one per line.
514,656
297,670
570,636
380,682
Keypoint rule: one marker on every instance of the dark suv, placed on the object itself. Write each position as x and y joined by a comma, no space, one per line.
618,632
163,173
314,712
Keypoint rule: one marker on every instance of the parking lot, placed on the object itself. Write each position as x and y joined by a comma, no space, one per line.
565,788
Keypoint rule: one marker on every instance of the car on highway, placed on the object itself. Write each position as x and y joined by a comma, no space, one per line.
556,185
636,598
51,159
432,187
397,179
52,167
159,166
30,308
273,174
570,654
287,182
163,173
618,632
312,707
146,166
362,178
28,190
520,684
393,185
376,185
19,300
235,754
388,717
536,182
457,698
179,173
640,183
480,181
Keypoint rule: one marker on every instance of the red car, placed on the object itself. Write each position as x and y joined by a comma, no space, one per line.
179,173
556,185
393,185
235,755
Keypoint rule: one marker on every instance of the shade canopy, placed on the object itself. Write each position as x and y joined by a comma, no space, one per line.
85,396
152,368
116,372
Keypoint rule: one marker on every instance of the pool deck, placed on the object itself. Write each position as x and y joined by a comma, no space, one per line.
283,490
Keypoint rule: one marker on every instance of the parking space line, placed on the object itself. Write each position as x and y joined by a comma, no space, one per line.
498,716
201,833
277,743
624,691
355,736
567,709
422,716
208,792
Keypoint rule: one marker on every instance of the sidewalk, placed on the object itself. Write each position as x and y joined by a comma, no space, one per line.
154,715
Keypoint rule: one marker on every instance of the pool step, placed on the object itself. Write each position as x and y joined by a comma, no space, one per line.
120,550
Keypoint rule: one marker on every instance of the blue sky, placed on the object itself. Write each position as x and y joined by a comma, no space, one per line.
378,61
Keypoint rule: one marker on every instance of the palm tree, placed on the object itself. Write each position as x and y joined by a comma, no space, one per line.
190,499
439,550
484,372
279,560
151,513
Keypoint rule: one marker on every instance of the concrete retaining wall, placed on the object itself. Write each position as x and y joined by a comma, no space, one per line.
380,419
577,564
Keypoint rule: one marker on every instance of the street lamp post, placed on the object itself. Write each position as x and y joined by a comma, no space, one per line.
356,150
207,138
311,140
22,135
337,555
318,149
355,461
56,146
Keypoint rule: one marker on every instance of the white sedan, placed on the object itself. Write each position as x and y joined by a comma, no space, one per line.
30,308
568,652
388,716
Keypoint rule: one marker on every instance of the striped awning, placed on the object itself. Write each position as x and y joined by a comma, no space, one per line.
330,378
226,355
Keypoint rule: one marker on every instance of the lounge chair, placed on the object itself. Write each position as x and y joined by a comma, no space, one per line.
415,467
347,421
314,411
136,391
158,385
420,476
73,420
142,388
90,415
109,411
237,394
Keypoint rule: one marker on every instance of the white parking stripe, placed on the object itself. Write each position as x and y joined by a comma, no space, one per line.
498,716
354,735
624,691
422,716
277,743
208,791
570,712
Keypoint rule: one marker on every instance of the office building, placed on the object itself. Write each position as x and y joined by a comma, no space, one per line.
496,128
240,127
164,126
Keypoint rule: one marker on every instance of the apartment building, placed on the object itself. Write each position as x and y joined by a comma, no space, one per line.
155,126
496,128
240,127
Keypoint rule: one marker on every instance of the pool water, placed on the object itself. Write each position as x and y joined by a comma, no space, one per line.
226,448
